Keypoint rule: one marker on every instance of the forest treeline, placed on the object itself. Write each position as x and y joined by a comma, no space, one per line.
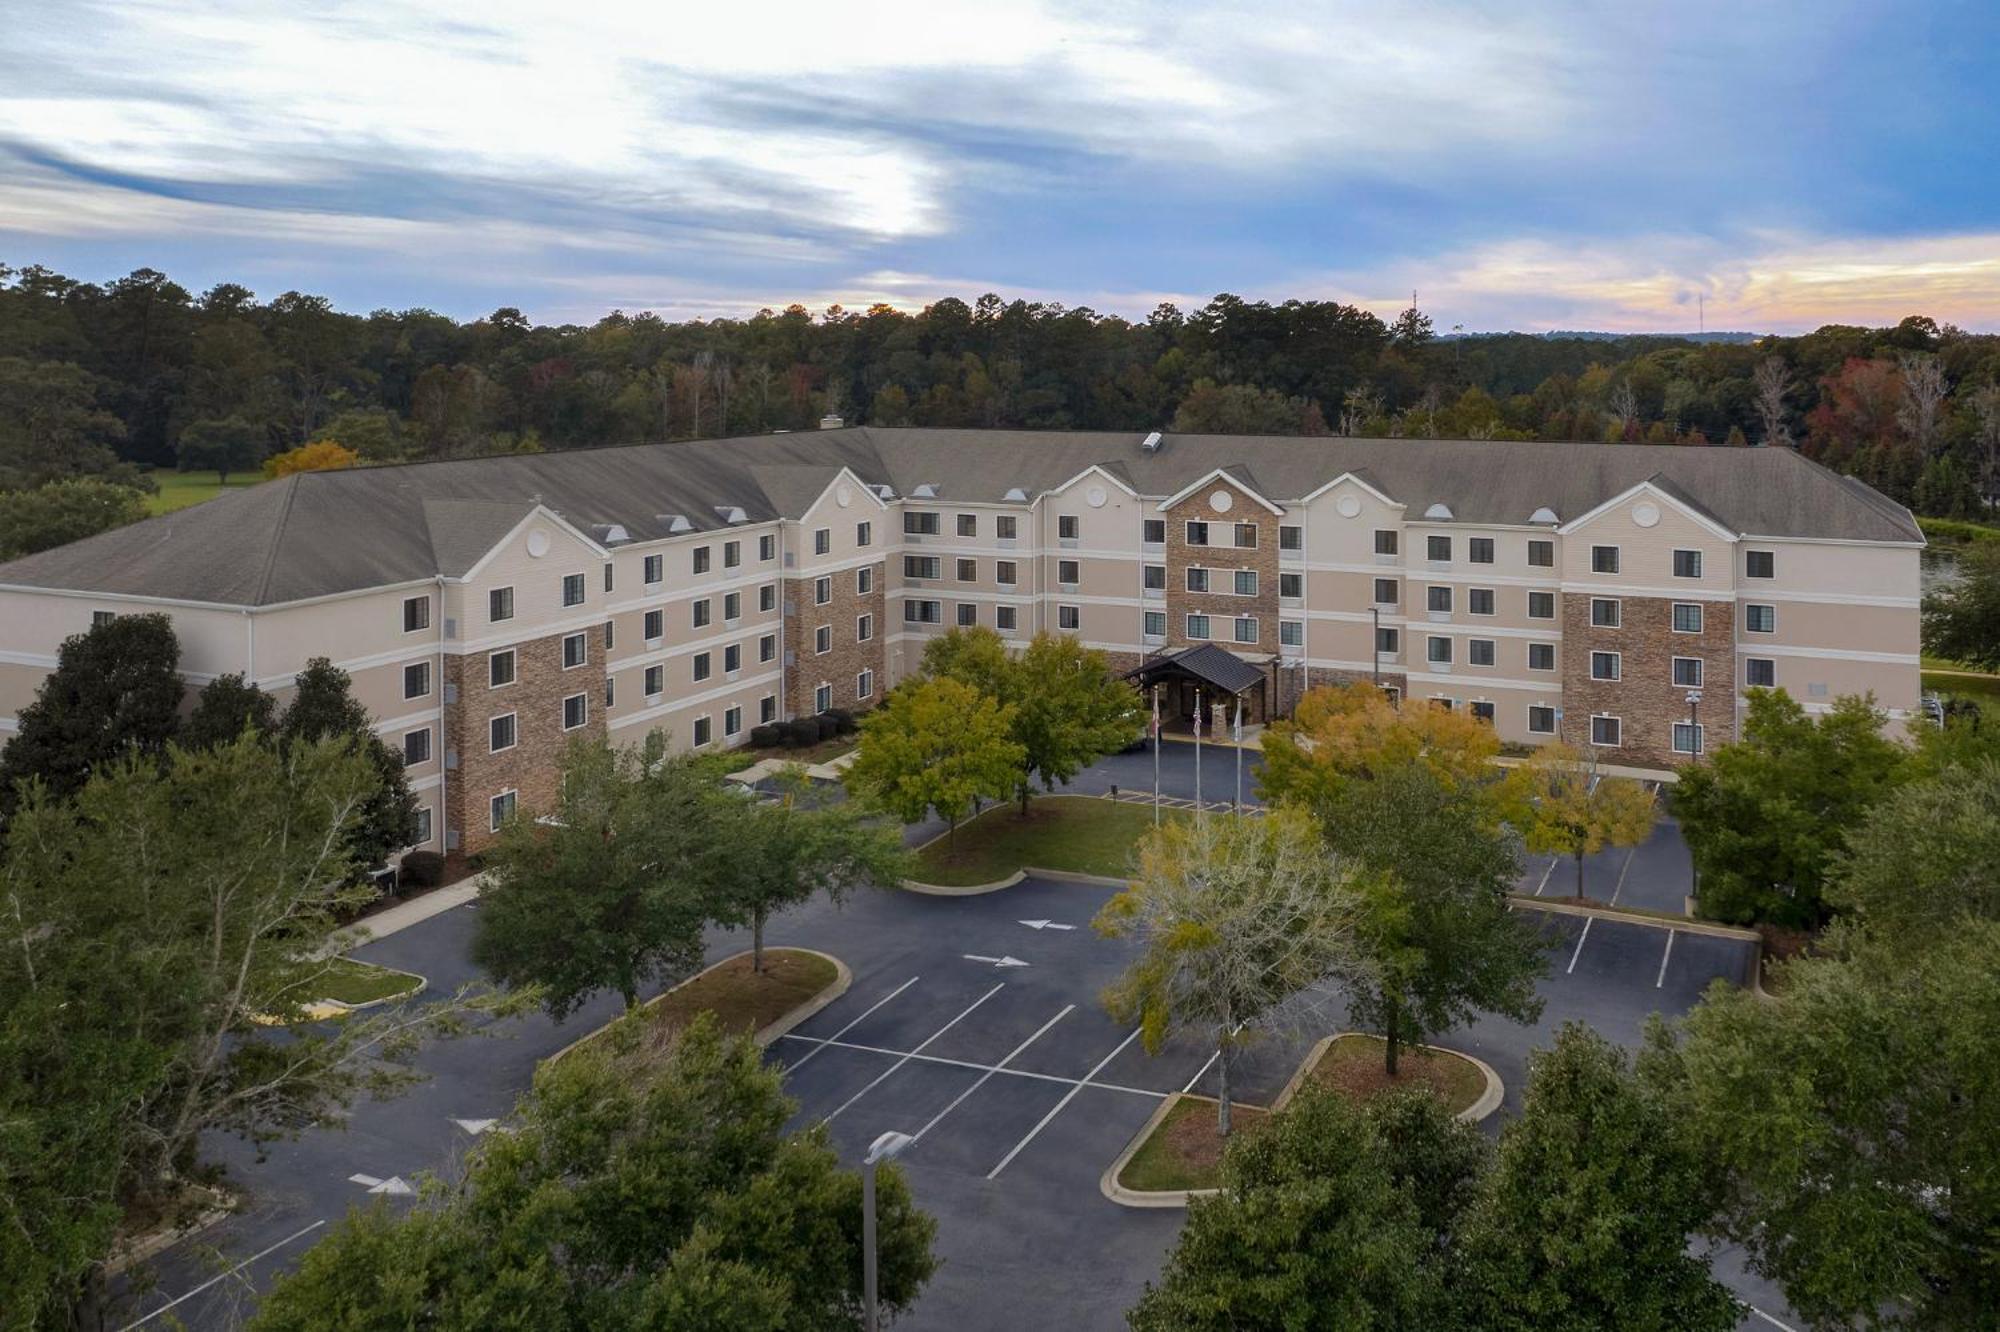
105,380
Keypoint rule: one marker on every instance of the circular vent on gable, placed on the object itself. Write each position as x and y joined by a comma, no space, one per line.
1221,501
1348,506
1095,497
1646,515
538,543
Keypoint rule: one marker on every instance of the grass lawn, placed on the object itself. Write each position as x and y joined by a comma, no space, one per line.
350,982
180,489
1981,687
1081,834
743,1000
1352,1066
1184,1151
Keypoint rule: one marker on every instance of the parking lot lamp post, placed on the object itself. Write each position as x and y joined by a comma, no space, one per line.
1375,642
885,1148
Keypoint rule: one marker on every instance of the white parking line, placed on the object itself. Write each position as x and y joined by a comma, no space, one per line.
222,1276
1202,1072
1068,1096
1000,1067
1767,1318
1663,959
1621,875
1588,920
1545,875
974,1065
875,1082
858,1021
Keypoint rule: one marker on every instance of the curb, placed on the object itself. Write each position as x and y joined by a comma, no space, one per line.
423,983
1108,1184
1025,872
1483,1108
842,978
159,1241
1686,925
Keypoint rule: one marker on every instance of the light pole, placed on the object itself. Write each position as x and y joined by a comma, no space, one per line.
1375,642
1694,721
885,1148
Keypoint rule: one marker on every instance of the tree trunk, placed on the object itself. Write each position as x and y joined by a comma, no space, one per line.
1391,1036
757,941
1579,875
951,837
1025,793
1222,1086
86,1311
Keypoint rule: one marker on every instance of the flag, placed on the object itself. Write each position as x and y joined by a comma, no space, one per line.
1197,715
1236,731
1156,714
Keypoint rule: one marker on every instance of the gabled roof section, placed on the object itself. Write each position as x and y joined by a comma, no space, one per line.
797,491
1216,667
1360,476
1113,472
1663,488
464,532
533,512
1236,474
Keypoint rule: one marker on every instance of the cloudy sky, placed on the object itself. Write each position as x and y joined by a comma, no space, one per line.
1526,166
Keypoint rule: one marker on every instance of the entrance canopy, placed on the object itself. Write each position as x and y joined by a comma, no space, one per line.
1204,664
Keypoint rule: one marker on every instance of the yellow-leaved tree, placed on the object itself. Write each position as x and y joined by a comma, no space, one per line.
1343,733
322,455
1563,805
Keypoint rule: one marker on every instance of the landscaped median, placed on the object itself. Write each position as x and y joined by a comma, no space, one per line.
1177,1155
344,984
794,984
1085,835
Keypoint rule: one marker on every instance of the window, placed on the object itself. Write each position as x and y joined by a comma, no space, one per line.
1687,617
1438,600
1067,571
1005,526
732,658
1003,572
1760,619
822,590
1197,626
1541,605
500,604
918,523
703,613
1687,738
1759,564
1197,533
968,571
704,731
500,669
1479,652
1292,633
767,709
864,685
572,589
1153,531
100,618
416,614
864,628
576,711
1604,731
575,650
1385,541
732,554
1604,665
1292,585
1760,672
416,747
732,606
1687,564
823,698
767,647
701,559
1003,617
1069,617
1479,600
610,693
1155,624
1541,656
1605,612
923,612
767,598
864,534
1197,580
1068,527
500,733
823,639
610,634
656,625
1246,536
968,524
1439,651
864,580
1385,591
656,681
1482,711
500,809
1291,537
1437,548
1541,555
609,577
417,680
767,547
1246,628
922,566
1246,582
423,836
1687,672
1480,551
1604,559
703,667
1541,719
1388,641
823,539
732,722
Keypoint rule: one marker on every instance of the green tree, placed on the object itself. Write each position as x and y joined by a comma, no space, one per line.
323,706
611,891
52,424
1565,806
1922,860
226,707
1235,915
225,445
1331,1216
1765,815
1586,1219
1853,1125
64,511
645,1183
1434,943
115,689
976,657
1962,618
935,745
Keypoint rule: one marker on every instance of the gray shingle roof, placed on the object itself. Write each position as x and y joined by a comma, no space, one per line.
321,533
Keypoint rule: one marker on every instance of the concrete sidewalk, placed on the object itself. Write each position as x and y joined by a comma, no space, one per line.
403,915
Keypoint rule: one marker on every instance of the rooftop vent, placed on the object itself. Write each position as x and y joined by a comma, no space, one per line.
831,422
611,533
730,513
676,522
925,490
1439,512
1151,443
885,492
1016,495
1544,515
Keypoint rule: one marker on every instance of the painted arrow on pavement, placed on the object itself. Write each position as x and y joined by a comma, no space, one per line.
475,1126
995,961
1045,925
394,1185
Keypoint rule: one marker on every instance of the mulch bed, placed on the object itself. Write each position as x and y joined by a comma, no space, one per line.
1353,1066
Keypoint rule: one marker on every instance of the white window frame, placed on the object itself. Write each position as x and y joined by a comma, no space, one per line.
1694,732
425,615
513,720
1700,672
822,640
1201,637
1617,723
513,669
582,585
583,711
864,628
1675,562
1617,660
495,815
864,685
582,641
1546,710
429,685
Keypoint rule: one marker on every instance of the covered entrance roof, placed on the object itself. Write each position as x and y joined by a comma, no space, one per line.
1215,667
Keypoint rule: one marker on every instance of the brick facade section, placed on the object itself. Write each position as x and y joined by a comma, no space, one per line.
1223,560
847,658
533,767
1645,699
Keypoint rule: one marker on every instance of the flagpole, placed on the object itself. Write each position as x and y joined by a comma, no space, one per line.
1197,751
1236,734
1156,755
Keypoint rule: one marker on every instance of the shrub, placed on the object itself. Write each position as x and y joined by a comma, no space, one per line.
826,726
767,735
800,732
843,721
422,869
